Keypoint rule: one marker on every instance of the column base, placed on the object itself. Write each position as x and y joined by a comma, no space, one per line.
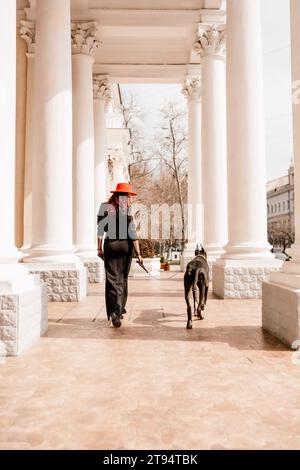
242,279
185,259
94,265
25,250
214,252
248,251
23,315
289,276
66,282
10,255
281,312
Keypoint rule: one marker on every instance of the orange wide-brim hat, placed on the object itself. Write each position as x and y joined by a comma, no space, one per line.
124,188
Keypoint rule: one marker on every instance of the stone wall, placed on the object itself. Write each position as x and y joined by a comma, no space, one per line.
231,282
281,312
64,285
95,271
23,318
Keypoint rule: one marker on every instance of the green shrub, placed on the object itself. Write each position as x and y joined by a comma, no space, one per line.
146,248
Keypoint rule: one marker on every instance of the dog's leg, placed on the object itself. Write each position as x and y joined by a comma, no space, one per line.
202,297
201,288
206,293
201,300
189,308
194,300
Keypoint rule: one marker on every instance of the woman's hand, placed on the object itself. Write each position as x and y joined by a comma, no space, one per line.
100,251
138,251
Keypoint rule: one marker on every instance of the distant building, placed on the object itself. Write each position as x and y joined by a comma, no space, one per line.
280,199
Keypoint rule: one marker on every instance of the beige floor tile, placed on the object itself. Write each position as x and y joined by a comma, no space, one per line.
151,384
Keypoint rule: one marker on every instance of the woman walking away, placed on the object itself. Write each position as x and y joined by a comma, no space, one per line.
115,220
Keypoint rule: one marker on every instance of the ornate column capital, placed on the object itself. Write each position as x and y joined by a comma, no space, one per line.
211,40
83,34
101,88
27,32
192,89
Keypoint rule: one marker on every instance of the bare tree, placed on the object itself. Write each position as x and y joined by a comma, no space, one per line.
172,148
141,161
281,238
157,165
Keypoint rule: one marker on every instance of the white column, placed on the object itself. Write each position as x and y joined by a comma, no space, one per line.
295,41
281,296
27,32
21,63
210,45
247,260
84,46
246,133
52,156
291,270
20,293
102,96
8,251
192,91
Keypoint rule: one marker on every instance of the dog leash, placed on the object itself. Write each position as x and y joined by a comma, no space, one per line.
145,269
153,277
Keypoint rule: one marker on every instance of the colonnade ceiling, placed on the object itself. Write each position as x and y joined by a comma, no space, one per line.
144,40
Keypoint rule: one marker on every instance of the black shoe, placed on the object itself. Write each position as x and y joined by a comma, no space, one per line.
115,318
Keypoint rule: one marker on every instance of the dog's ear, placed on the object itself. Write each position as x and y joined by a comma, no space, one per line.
200,251
203,253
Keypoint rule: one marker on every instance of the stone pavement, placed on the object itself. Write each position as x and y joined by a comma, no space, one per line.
152,384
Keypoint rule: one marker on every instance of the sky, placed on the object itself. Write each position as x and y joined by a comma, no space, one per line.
277,84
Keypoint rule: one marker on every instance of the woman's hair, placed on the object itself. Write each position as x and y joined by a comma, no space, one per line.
115,199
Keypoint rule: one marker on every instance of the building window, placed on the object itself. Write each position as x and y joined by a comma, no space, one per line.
279,207
288,205
283,205
275,208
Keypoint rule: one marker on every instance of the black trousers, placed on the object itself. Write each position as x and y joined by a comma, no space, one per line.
117,262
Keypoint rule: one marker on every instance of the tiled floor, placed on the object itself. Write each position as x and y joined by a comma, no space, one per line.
152,384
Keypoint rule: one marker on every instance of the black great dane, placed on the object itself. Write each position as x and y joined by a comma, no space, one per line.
196,283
